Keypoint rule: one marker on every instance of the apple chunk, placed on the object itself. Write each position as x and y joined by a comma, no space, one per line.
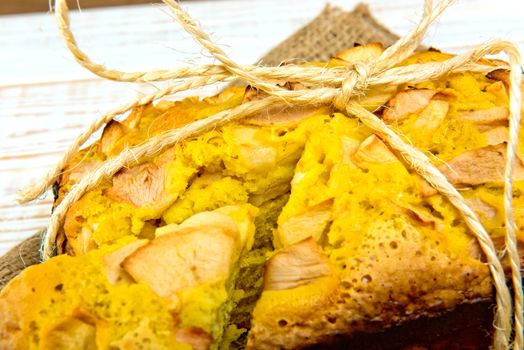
296,265
373,150
112,262
480,166
492,116
311,223
406,103
182,259
360,54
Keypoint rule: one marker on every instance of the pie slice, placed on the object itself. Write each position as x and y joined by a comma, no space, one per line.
297,227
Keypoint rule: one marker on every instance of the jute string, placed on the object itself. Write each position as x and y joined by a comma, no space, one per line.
337,86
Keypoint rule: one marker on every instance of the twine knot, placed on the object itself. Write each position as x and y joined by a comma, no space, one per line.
354,82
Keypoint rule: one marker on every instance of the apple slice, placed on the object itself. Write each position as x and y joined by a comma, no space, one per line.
361,53
311,223
497,135
491,116
479,166
431,116
113,132
141,185
112,262
296,265
182,259
481,208
373,150
406,103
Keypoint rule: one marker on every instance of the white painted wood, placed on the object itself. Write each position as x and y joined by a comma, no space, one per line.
46,99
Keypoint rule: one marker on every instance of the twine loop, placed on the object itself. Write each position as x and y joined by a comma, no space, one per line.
337,86
355,81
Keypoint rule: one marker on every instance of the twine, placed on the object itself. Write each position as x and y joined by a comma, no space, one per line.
335,86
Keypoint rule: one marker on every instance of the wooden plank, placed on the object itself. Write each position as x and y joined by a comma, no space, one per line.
11,7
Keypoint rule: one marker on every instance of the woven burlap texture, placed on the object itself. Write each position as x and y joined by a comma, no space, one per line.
332,31
23,255
329,33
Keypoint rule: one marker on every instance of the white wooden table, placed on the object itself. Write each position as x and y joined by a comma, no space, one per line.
46,99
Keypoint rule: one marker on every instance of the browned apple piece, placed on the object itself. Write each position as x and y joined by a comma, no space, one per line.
182,259
252,153
206,219
481,208
479,166
258,157
420,216
349,146
232,220
296,265
476,167
203,221
492,116
112,262
426,190
311,223
501,75
361,53
81,233
373,150
406,103
431,116
240,227
497,135
198,338
375,99
113,132
140,185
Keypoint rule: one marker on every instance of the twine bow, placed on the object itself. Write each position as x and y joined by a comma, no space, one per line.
335,86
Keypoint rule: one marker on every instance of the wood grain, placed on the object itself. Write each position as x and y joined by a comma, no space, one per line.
17,6
46,99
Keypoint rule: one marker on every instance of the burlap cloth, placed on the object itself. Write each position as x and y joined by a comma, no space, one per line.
332,31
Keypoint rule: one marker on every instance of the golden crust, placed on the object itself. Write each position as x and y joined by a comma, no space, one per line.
400,276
